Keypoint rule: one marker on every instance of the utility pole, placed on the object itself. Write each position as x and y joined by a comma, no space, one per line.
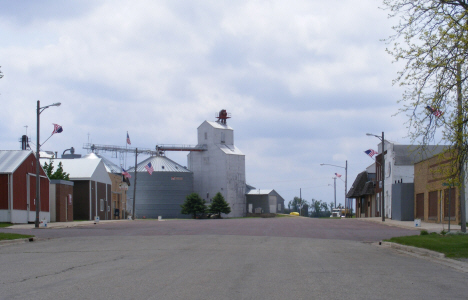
449,212
38,163
134,184
334,179
300,203
459,149
346,189
383,177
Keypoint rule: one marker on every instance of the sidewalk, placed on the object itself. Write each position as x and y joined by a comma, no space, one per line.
62,224
430,227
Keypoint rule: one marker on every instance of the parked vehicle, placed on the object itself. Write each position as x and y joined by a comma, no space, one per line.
335,213
338,212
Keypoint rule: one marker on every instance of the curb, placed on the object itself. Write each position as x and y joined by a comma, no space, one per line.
58,225
428,254
17,241
416,250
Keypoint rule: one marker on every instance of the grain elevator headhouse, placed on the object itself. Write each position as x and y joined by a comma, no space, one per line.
221,168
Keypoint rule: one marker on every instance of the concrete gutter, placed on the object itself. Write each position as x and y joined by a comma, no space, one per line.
430,255
416,250
17,241
64,224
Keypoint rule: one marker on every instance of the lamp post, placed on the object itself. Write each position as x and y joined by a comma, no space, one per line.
38,163
382,167
346,181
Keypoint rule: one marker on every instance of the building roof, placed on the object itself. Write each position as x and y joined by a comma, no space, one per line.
411,154
110,166
219,125
229,149
160,164
84,169
10,160
361,186
259,192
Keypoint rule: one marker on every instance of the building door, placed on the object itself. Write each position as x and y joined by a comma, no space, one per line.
363,206
432,205
452,204
31,198
420,206
272,202
368,213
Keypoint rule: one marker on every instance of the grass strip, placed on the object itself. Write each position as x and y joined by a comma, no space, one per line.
452,245
13,236
3,225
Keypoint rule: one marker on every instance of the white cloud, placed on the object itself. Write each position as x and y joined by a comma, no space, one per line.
304,80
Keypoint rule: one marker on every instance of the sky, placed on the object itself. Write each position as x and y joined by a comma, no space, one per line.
304,81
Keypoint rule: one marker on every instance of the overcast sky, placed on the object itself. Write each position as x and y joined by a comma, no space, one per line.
303,80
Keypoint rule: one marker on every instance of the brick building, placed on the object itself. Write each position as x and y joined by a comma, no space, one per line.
61,200
433,197
18,187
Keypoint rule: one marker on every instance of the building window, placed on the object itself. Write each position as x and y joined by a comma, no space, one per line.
206,135
102,205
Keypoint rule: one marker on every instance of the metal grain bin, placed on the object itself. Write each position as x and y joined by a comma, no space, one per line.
161,193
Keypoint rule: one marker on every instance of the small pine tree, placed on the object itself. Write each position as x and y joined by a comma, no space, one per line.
219,205
58,174
193,205
48,168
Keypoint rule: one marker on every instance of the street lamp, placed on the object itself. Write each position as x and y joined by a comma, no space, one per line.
346,181
38,163
382,167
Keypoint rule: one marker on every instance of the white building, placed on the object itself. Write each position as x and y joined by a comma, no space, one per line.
399,167
92,187
221,168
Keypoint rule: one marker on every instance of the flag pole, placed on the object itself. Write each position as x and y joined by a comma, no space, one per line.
134,183
126,146
47,139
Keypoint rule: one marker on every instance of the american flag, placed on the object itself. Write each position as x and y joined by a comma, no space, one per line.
433,111
125,173
337,175
149,168
57,128
128,139
371,152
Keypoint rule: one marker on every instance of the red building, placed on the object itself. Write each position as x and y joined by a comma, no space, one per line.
18,187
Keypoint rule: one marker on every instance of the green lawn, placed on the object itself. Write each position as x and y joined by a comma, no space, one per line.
3,225
13,236
454,246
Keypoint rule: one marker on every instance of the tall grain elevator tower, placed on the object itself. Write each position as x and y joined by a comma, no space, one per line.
221,168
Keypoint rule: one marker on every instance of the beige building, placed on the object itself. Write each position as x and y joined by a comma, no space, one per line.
119,196
431,191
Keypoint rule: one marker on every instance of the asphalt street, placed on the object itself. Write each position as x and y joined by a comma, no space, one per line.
343,229
222,259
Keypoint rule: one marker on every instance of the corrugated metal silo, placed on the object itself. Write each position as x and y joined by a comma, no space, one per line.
161,193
